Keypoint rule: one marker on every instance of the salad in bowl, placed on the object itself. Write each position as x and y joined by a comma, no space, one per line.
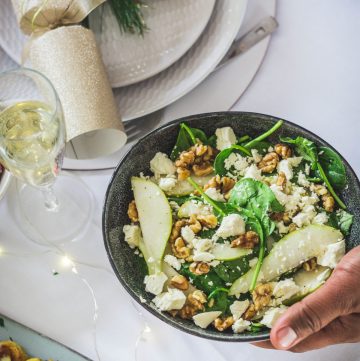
235,229
217,223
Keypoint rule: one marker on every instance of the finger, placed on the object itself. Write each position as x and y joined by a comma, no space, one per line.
263,344
336,298
341,330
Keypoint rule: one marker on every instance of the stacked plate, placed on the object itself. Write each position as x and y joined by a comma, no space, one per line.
185,41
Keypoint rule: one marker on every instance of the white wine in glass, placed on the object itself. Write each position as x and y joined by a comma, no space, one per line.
32,139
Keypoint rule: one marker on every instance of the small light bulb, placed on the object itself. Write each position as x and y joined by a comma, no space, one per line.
66,261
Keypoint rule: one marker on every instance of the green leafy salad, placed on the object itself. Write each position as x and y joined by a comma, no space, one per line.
234,230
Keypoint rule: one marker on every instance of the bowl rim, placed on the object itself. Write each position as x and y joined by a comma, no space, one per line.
5,181
221,336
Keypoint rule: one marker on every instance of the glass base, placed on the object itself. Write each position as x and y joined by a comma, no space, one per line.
67,223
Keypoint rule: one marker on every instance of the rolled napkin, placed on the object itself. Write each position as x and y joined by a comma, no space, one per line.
42,15
69,57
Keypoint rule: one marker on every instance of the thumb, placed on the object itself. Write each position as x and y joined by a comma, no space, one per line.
309,315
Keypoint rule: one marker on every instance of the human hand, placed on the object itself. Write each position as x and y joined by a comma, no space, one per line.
328,316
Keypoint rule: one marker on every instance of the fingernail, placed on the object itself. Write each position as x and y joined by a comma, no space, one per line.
286,337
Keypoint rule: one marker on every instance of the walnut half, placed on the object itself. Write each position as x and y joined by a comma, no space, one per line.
179,282
269,162
222,324
132,212
248,240
262,295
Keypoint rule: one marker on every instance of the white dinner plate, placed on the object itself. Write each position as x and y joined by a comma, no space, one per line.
173,27
171,84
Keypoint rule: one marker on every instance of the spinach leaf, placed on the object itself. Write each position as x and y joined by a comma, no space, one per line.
221,299
258,198
243,139
308,150
207,282
341,220
329,186
182,199
333,167
187,137
256,327
262,147
263,136
305,148
219,163
212,140
229,271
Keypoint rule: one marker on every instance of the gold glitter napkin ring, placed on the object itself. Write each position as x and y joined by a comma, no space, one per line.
39,16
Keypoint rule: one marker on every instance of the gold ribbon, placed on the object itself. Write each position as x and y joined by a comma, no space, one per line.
38,16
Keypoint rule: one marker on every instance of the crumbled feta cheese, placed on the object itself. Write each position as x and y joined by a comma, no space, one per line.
142,299
307,169
241,325
302,180
321,218
231,225
174,206
271,149
167,183
282,228
214,263
174,299
272,315
162,165
187,234
285,289
132,234
308,200
253,172
256,156
279,194
193,207
172,261
155,283
305,217
237,163
253,262
202,244
285,167
225,138
295,161
203,256
215,194
238,308
204,319
332,254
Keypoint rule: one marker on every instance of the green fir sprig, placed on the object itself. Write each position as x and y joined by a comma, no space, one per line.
129,16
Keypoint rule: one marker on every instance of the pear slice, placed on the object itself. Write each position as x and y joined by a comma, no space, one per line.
204,319
155,221
224,252
184,188
288,253
309,282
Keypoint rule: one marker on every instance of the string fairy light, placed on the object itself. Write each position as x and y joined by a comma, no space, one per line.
66,261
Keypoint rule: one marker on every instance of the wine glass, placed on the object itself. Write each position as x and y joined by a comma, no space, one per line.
47,208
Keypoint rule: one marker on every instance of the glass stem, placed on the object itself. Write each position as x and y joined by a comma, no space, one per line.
51,201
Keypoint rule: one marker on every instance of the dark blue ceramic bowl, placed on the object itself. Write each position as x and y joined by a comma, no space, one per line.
129,268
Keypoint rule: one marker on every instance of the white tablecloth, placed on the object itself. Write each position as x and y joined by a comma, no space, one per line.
310,76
